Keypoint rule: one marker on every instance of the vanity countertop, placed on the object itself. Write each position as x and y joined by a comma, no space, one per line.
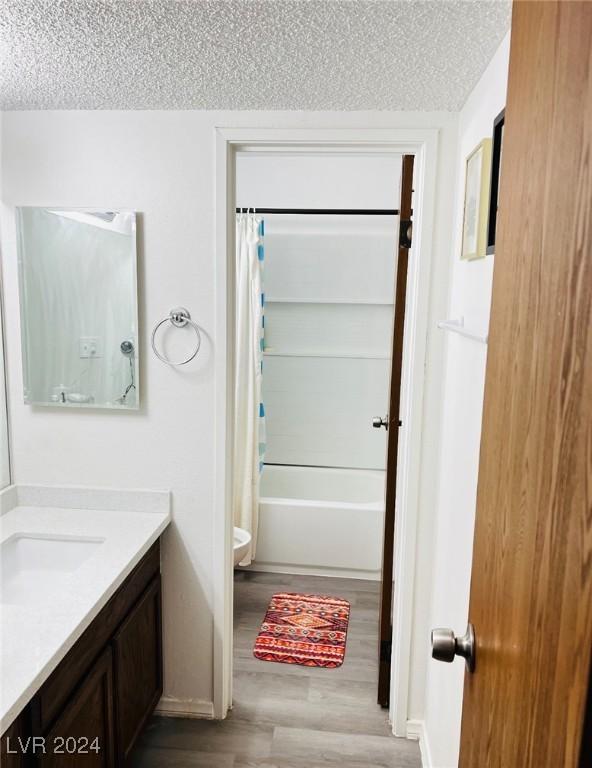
37,631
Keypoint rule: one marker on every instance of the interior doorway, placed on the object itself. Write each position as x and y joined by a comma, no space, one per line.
229,160
324,230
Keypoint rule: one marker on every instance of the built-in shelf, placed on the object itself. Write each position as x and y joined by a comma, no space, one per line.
458,326
326,353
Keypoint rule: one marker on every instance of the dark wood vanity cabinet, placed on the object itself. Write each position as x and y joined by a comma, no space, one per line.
137,650
10,755
94,706
84,729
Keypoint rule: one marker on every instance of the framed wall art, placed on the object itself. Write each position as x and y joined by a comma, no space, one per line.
476,204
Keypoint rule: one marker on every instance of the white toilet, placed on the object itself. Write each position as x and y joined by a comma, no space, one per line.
241,541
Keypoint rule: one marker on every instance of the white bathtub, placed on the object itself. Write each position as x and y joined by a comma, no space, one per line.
321,521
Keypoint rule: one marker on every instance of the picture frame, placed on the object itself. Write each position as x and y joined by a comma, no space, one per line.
476,201
496,162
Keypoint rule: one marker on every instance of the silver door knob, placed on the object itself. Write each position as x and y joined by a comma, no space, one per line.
445,646
378,422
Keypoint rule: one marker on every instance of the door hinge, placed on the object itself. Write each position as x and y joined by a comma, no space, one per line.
405,233
386,650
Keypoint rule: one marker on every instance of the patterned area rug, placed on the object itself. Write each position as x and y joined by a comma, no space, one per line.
310,630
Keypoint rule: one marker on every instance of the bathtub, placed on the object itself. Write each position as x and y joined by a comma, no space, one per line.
321,521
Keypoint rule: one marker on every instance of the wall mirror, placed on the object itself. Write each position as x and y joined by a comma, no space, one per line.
4,454
79,309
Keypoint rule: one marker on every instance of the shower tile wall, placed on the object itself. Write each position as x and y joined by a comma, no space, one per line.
329,291
320,411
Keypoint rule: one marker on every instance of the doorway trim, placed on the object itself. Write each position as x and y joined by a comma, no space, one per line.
423,143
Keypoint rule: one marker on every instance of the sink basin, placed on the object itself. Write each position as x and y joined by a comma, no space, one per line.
32,566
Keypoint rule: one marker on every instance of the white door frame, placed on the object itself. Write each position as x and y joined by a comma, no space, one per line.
423,143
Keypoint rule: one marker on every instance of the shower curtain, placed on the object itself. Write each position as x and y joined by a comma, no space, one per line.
249,413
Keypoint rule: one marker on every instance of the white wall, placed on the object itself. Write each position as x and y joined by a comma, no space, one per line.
162,164
301,180
461,432
329,287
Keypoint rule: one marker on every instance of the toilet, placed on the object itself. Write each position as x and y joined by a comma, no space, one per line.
240,544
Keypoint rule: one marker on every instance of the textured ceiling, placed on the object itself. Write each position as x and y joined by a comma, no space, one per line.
245,54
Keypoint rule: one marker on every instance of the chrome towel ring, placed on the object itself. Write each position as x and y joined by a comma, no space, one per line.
179,317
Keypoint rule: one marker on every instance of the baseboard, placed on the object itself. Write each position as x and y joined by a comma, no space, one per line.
416,730
305,570
169,706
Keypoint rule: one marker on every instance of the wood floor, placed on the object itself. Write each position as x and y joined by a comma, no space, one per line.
286,716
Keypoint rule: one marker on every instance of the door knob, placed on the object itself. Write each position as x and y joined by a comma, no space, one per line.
378,422
445,646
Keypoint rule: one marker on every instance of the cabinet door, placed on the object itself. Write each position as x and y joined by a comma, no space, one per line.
137,648
14,745
83,733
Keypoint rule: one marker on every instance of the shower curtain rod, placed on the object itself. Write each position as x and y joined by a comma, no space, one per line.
326,211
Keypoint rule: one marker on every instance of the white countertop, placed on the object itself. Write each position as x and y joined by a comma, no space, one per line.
34,638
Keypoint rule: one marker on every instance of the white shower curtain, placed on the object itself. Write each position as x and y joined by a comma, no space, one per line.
249,414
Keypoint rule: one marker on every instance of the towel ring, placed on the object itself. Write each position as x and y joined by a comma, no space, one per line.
179,317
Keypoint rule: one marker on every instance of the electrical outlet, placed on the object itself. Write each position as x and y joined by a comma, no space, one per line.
90,347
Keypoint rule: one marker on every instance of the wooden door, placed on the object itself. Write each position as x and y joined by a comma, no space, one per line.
386,586
531,590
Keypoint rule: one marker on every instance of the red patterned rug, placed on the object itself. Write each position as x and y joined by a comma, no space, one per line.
310,630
